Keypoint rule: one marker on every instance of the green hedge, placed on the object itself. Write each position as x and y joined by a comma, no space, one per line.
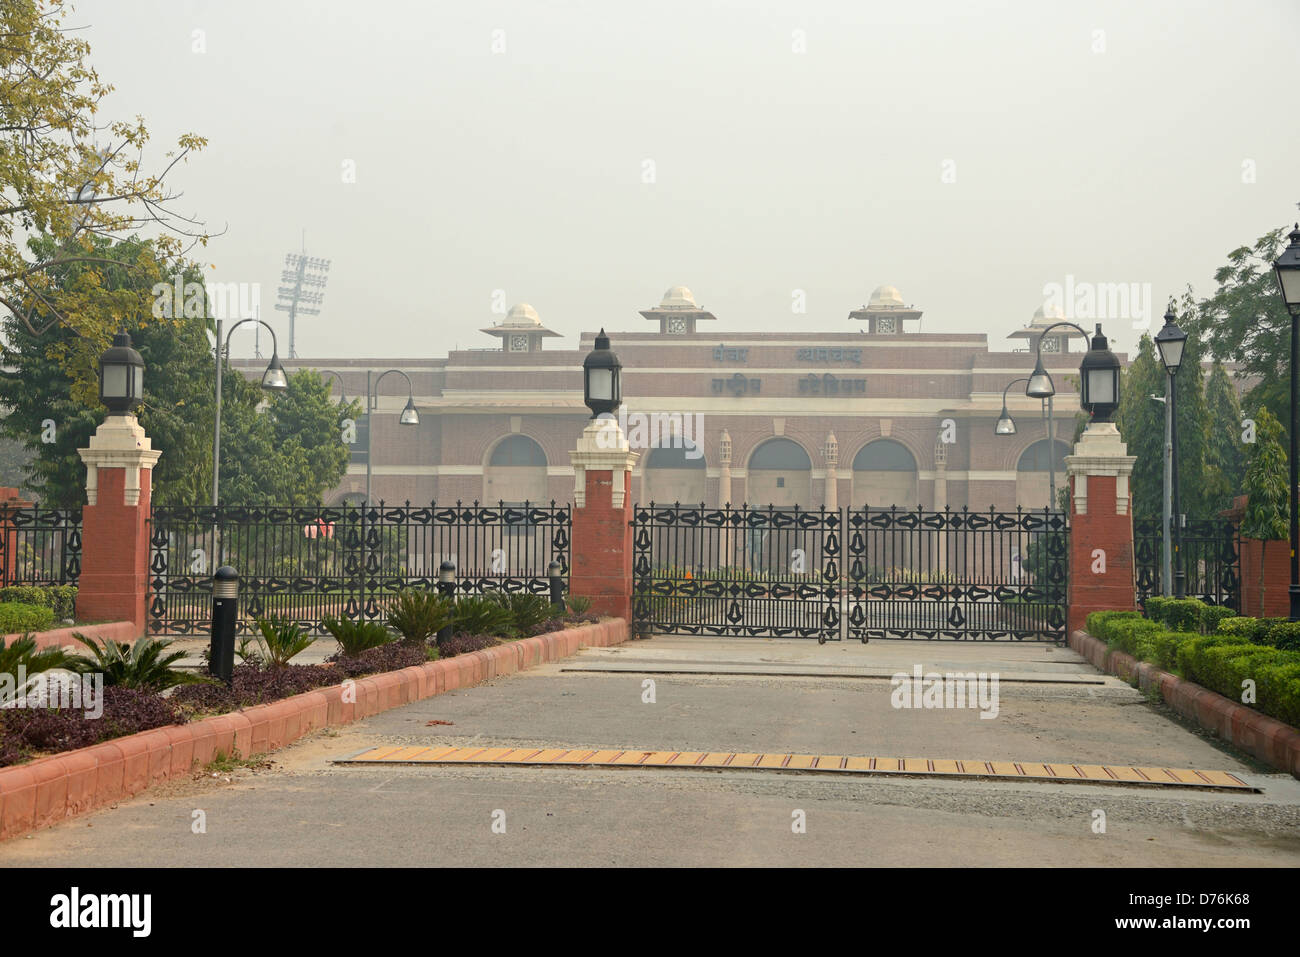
1187,614
19,617
61,599
1223,662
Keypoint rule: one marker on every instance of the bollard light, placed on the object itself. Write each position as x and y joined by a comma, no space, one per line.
446,588
225,612
555,572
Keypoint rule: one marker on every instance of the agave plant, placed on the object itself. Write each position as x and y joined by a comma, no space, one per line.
281,640
355,637
22,653
528,610
419,615
144,665
578,604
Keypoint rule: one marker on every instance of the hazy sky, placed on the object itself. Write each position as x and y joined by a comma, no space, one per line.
1104,141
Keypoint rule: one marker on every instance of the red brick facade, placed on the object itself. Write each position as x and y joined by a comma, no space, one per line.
601,568
1100,534
114,580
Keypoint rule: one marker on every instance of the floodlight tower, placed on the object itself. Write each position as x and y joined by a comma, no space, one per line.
304,277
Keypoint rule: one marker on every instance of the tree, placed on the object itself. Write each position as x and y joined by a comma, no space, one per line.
1192,423
1141,422
50,415
77,181
1267,477
1245,321
1224,459
288,455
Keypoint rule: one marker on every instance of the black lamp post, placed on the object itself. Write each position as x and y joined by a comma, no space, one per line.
1171,340
409,415
602,378
273,380
1287,270
1005,424
121,376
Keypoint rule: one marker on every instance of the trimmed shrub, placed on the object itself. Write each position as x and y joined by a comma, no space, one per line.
1278,691
1179,614
1131,634
1284,635
60,599
1164,648
16,616
1242,626
1098,624
1213,616
355,637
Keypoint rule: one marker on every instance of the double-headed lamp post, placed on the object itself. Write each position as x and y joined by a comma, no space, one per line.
1098,386
409,415
1170,341
273,380
1287,270
1005,424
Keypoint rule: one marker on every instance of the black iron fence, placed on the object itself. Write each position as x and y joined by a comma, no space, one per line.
1210,560
39,546
303,564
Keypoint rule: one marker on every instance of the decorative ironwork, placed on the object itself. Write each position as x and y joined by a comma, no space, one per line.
40,546
736,571
1210,559
347,561
967,575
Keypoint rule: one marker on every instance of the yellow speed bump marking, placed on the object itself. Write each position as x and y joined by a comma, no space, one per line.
811,763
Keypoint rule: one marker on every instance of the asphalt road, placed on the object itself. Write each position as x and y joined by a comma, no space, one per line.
305,810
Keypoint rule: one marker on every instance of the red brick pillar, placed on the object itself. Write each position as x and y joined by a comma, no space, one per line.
114,583
1267,563
601,566
1103,573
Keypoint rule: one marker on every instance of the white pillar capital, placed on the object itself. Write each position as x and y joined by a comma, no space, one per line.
602,447
1100,451
119,442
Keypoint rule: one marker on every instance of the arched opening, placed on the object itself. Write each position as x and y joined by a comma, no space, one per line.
1033,471
675,474
516,472
780,474
884,474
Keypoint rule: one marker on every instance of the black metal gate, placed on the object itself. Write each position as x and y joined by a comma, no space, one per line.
737,571
1210,559
860,573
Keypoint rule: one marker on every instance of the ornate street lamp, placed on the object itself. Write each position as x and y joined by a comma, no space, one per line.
602,375
121,376
273,380
1007,425
1099,380
1171,340
409,415
1287,270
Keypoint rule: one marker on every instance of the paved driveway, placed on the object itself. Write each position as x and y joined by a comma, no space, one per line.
742,695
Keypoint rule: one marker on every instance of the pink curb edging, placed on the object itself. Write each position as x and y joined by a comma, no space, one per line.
1273,742
62,637
53,789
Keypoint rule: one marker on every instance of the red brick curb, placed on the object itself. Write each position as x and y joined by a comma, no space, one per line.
52,789
1268,739
59,637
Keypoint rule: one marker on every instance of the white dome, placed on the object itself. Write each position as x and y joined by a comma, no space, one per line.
1048,314
887,297
522,314
678,297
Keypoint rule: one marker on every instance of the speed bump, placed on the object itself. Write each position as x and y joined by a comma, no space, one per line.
806,763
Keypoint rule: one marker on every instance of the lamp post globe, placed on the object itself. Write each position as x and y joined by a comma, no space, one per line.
1040,382
274,379
1006,425
1287,270
121,376
1099,379
602,378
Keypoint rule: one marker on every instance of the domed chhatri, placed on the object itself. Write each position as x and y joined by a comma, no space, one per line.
1044,316
522,314
885,312
521,330
677,313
